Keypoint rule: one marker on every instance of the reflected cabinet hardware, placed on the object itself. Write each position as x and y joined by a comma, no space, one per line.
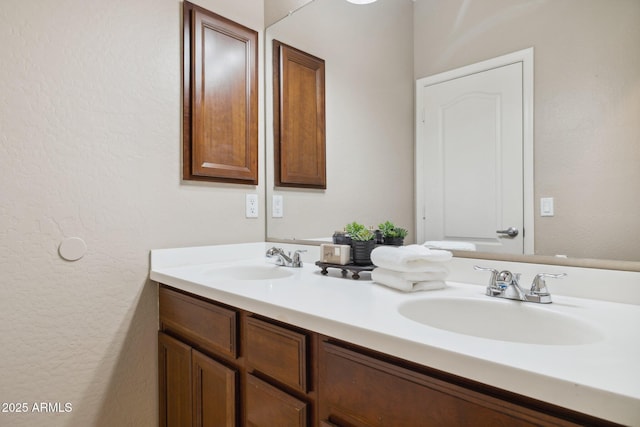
298,118
220,99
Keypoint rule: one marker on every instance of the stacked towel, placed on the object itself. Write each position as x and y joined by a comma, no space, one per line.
410,268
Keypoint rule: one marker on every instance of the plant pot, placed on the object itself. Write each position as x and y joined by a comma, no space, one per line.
394,241
362,251
340,238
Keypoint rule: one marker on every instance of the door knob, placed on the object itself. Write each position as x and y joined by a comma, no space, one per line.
511,232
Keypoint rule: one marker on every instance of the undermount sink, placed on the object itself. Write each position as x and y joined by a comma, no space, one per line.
502,320
248,272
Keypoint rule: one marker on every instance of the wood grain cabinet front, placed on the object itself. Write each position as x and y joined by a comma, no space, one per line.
268,406
202,323
223,366
277,352
195,390
358,389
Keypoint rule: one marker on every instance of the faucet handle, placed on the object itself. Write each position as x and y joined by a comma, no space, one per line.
297,262
494,275
539,285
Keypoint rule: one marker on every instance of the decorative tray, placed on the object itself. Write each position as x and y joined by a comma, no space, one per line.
353,268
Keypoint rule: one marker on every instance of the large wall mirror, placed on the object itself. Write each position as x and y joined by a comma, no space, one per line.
586,110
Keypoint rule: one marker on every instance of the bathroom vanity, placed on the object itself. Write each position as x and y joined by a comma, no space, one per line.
243,342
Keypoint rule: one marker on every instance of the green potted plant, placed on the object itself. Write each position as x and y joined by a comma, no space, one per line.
362,243
391,234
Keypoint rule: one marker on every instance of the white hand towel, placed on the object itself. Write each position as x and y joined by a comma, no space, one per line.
450,245
394,280
412,258
436,272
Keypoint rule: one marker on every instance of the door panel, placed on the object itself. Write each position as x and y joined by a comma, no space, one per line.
472,159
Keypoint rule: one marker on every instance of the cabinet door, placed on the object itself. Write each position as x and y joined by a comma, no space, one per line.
174,369
220,111
268,406
214,392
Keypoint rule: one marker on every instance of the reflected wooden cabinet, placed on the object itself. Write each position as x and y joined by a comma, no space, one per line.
298,118
220,98
223,366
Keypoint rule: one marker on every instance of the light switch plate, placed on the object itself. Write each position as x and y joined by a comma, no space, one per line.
277,206
251,206
546,206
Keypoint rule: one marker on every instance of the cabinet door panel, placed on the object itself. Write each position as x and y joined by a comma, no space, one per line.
174,369
220,141
298,118
267,406
214,393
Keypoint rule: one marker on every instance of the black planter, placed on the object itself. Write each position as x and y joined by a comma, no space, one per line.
394,241
340,238
362,251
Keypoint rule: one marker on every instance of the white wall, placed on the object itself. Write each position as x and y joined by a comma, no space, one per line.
90,145
368,53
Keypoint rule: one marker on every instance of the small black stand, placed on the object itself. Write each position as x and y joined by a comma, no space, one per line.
353,268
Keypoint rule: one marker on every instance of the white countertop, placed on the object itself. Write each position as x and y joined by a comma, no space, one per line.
601,379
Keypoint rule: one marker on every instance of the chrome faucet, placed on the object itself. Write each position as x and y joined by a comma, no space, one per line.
504,284
285,260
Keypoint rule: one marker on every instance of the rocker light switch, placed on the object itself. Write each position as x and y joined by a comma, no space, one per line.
277,204
546,206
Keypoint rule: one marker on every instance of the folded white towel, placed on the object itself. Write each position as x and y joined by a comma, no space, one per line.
395,280
436,272
450,245
412,258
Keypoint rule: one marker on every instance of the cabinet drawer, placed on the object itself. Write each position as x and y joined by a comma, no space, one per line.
268,406
357,389
277,352
204,324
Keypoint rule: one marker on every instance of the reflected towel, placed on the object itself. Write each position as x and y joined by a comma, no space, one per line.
396,280
412,258
450,245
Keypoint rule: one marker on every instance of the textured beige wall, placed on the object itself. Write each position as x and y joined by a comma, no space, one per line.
368,55
587,105
90,117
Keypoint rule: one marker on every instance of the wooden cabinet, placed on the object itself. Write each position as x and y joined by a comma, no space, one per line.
222,366
210,374
174,365
277,352
269,406
298,118
195,390
214,392
220,98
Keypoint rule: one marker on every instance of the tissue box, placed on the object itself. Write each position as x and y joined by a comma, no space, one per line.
335,254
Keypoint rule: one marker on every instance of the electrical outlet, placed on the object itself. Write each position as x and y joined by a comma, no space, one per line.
251,206
277,206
